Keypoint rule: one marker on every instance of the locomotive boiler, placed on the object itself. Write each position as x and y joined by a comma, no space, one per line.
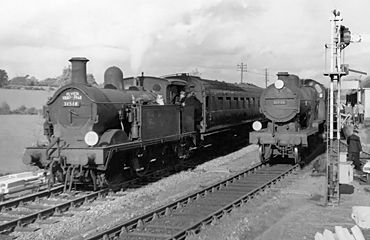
296,111
101,136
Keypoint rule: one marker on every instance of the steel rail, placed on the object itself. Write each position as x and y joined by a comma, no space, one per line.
21,222
29,198
50,210
126,228
195,228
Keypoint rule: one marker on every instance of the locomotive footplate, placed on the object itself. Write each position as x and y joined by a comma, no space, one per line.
286,138
92,156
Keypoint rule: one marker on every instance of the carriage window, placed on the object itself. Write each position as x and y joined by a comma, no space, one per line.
248,102
242,102
252,102
207,103
220,103
258,102
228,102
236,103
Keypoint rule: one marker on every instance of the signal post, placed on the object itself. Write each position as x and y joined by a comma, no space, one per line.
340,38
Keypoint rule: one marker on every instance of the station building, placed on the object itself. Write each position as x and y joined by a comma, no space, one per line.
357,89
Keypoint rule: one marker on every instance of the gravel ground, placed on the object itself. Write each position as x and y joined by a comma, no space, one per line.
140,201
295,212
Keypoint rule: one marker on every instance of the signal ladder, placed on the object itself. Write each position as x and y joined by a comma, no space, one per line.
333,141
338,43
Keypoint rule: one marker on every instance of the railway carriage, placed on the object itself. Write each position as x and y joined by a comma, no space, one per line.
224,105
100,136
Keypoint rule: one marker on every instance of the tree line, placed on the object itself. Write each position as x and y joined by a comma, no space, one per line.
31,83
22,110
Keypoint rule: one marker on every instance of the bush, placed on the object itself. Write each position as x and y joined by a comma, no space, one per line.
5,109
22,110
32,111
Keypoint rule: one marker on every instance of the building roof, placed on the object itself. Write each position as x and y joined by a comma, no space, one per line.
366,82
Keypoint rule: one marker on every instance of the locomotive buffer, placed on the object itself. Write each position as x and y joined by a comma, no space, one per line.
340,38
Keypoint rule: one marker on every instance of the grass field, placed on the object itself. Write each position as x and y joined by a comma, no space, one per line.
16,133
29,98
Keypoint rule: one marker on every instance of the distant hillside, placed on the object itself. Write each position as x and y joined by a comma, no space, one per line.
21,81
65,78
49,82
61,80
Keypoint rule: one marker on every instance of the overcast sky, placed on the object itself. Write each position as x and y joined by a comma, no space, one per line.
161,37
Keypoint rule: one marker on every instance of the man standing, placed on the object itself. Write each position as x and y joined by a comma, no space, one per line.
348,109
361,112
354,149
355,114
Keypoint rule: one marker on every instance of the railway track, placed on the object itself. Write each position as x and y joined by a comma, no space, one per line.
38,208
7,204
189,214
17,213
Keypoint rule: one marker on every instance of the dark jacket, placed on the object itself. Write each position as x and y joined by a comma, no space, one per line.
354,144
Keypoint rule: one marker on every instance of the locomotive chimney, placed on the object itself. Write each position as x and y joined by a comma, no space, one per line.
289,78
79,70
283,76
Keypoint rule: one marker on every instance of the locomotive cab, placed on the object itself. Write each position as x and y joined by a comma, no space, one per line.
166,88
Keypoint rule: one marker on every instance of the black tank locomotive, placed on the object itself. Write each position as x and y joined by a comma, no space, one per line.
101,135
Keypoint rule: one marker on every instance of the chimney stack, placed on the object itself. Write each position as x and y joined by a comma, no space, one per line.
79,70
283,76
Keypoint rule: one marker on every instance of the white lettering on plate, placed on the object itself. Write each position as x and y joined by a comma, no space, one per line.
72,96
71,104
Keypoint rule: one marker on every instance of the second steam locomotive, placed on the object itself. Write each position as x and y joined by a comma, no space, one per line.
99,136
296,109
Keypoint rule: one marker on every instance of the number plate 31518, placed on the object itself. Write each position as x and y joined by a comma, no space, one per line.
71,104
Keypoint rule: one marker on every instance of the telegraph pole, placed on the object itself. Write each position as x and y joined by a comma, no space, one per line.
266,76
242,68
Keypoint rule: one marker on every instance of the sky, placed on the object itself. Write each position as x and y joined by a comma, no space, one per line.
162,37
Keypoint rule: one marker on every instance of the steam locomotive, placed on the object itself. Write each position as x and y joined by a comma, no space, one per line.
99,136
296,109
